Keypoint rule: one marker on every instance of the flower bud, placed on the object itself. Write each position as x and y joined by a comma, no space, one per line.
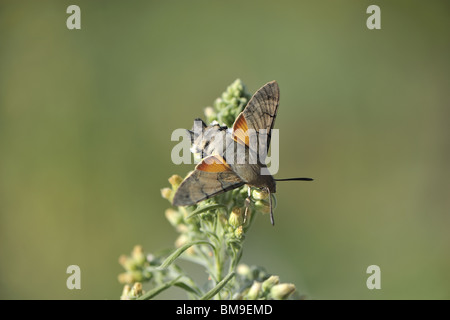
175,181
227,95
254,291
262,206
181,240
243,269
239,232
125,277
218,104
237,85
182,228
127,263
260,194
174,217
282,291
166,193
137,276
236,217
138,255
130,277
270,282
123,260
209,112
137,291
243,191
125,293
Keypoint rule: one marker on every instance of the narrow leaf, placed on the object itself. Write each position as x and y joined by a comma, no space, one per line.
187,287
206,208
211,293
170,259
149,295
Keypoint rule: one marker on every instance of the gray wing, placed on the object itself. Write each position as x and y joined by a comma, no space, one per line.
261,110
201,185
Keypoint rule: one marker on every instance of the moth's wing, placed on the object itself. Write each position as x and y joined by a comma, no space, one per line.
211,177
261,110
259,114
201,185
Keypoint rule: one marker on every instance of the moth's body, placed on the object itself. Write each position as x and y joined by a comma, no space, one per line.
251,175
230,156
243,161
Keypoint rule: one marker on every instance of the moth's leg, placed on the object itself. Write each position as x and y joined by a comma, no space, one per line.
247,203
271,209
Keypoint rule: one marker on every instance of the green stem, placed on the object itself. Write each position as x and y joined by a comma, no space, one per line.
218,262
154,292
211,293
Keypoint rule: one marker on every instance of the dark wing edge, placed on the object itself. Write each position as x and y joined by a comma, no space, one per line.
200,185
261,110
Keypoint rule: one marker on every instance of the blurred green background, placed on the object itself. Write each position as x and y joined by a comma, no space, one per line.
86,117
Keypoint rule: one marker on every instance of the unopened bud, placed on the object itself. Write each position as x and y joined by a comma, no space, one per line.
254,291
182,228
219,104
166,193
181,240
130,277
174,217
138,255
123,260
228,94
260,194
236,217
125,293
137,289
262,206
237,85
243,191
239,232
282,291
243,269
175,181
125,278
209,112
270,282
190,251
127,263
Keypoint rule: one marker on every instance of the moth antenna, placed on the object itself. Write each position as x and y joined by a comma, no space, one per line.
295,179
272,221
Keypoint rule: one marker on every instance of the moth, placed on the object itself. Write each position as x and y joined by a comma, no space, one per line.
221,170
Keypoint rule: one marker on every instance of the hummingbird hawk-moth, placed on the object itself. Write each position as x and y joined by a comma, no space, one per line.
232,157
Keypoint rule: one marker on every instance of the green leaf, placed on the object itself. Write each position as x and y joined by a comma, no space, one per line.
210,234
195,259
187,287
206,208
158,290
211,293
170,259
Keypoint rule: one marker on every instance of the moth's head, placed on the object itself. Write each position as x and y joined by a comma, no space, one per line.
266,182
271,184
